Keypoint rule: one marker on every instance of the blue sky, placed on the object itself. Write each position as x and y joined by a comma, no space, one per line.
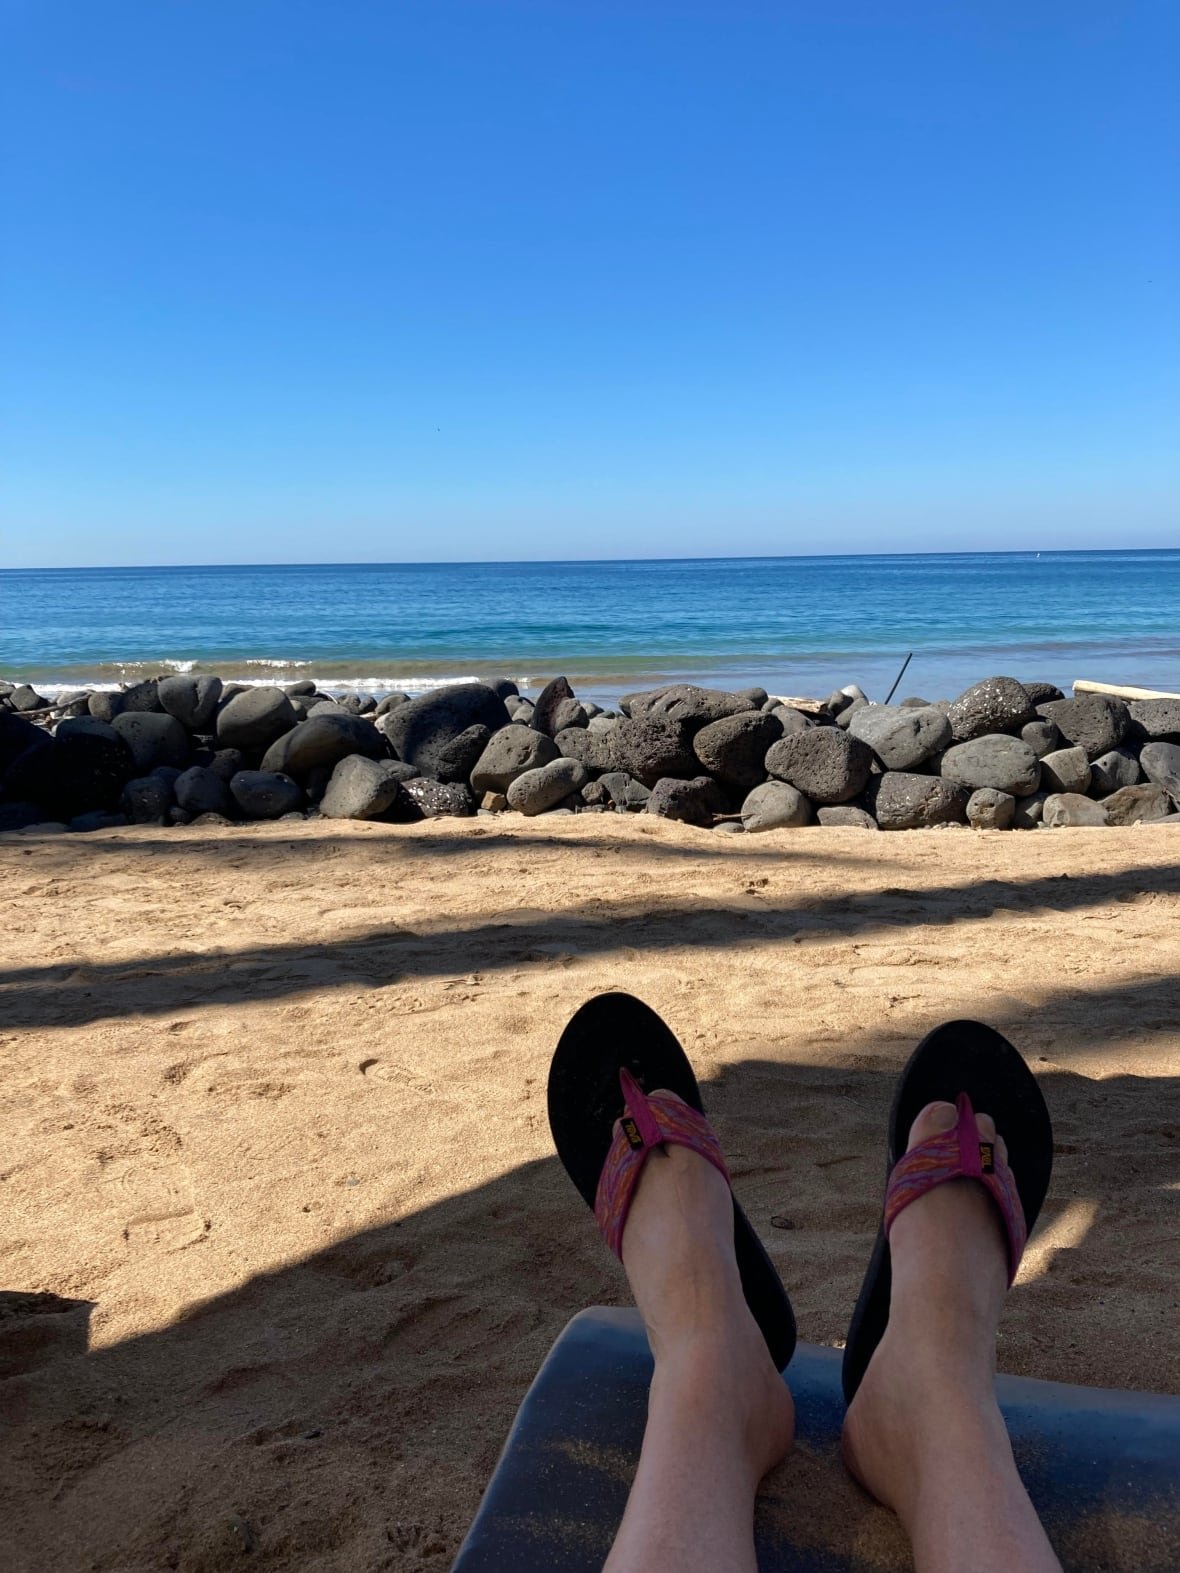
283,280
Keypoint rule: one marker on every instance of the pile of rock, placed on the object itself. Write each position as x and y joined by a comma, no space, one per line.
182,750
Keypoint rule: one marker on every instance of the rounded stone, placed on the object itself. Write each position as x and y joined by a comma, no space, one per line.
538,790
825,764
776,805
254,718
998,704
265,794
1006,763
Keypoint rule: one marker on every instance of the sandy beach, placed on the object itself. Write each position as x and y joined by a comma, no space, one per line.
285,1240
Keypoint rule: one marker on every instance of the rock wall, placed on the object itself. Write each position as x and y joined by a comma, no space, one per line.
192,750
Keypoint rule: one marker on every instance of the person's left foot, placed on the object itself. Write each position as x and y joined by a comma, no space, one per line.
678,1251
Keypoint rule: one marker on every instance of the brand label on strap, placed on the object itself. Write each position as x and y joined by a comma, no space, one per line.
631,1132
987,1157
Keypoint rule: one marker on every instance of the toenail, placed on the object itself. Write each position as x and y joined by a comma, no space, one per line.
938,1116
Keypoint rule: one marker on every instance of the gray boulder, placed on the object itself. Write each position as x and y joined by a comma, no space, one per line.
734,748
846,816
589,748
650,748
507,754
901,739
1066,770
555,697
988,809
1042,737
1006,763
1030,811
692,802
225,762
147,799
602,722
624,793
1064,810
98,819
143,696
425,798
1042,693
105,704
844,719
192,700
361,788
1093,722
825,764
1111,772
538,790
1160,763
998,704
265,794
1133,805
901,800
392,702
254,718
569,713
321,742
420,731
1155,720
24,697
792,720
685,705
776,805
201,790
153,738
455,760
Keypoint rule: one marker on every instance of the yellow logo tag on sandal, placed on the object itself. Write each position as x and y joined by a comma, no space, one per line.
631,1131
987,1157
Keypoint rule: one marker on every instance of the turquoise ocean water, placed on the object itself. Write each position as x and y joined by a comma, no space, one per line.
797,625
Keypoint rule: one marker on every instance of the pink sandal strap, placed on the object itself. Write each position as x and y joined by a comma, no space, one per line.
960,1153
647,1122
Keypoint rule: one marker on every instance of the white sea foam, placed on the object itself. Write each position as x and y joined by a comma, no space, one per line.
328,685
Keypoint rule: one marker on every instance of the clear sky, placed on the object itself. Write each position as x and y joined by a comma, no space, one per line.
353,280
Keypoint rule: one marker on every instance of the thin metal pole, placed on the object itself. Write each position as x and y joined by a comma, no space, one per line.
899,677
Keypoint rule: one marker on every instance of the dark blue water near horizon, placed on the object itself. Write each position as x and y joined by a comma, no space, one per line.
794,624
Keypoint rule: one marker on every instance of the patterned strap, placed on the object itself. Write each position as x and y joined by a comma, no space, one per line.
646,1123
959,1154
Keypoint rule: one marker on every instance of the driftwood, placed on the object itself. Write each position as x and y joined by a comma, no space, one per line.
1121,691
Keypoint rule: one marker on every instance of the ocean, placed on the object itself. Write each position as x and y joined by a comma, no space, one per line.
795,625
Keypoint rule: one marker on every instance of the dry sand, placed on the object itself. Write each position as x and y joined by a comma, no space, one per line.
284,1239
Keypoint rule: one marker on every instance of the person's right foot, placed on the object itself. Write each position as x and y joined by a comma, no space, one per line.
929,1384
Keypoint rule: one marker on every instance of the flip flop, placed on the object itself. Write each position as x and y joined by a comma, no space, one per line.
973,1067
612,1056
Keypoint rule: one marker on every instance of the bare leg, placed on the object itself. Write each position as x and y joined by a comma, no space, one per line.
719,1415
924,1433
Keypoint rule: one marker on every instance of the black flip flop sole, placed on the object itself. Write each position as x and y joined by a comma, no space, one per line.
961,1056
612,1031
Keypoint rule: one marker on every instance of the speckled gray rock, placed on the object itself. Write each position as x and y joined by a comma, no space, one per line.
846,816
201,790
588,747
1134,805
1042,737
1006,763
25,697
1111,772
826,764
507,754
901,800
1066,770
1064,810
361,788
901,739
153,738
425,798
419,731
1160,763
392,702
1029,812
733,750
776,805
1042,693
1093,722
693,802
538,790
998,704
143,696
320,742
792,720
602,722
844,719
254,718
106,704
988,809
265,794
650,748
1155,720
192,700
686,705
569,713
